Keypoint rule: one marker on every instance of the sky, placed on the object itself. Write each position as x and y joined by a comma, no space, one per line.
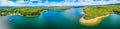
55,2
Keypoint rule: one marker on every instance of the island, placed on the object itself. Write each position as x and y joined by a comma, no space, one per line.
59,8
29,11
93,15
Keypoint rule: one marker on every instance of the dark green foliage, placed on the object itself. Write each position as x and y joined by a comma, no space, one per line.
95,11
29,11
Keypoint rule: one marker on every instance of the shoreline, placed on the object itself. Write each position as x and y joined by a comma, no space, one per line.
92,22
82,12
30,16
19,14
11,14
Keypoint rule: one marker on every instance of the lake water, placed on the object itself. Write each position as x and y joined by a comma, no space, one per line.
68,19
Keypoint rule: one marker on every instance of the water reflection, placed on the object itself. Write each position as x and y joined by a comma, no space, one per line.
68,19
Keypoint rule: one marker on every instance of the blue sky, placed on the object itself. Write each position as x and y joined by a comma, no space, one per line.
43,1
55,2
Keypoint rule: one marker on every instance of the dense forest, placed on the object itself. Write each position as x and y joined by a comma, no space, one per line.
29,11
96,11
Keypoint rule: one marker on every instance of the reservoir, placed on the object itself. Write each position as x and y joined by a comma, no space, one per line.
68,19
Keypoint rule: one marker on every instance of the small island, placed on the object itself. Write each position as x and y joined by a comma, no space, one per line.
94,14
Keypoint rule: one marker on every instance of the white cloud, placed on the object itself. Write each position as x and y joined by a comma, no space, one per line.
46,1
3,0
8,3
39,1
22,3
33,0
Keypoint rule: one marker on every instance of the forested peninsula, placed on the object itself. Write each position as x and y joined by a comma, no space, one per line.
94,14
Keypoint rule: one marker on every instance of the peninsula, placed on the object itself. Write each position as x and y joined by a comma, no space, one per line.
94,14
